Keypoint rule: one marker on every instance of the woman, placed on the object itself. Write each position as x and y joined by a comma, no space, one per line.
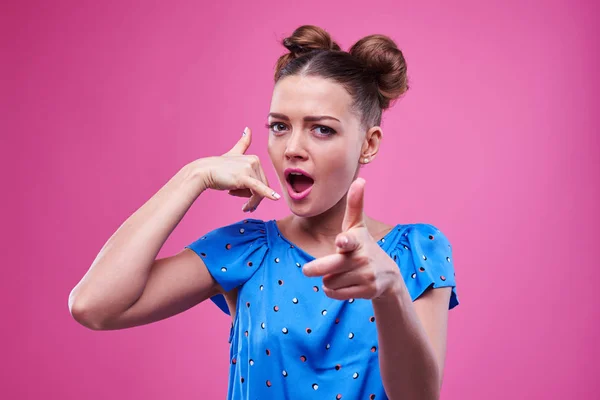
326,303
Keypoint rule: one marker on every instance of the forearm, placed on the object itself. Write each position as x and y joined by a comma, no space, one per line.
409,368
118,275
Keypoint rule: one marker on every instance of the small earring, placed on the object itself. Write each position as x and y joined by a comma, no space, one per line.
366,160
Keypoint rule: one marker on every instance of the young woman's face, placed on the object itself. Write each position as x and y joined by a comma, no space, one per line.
312,128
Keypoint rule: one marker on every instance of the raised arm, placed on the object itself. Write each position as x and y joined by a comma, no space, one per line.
126,285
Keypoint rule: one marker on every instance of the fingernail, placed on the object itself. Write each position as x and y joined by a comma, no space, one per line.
244,207
343,241
245,131
276,195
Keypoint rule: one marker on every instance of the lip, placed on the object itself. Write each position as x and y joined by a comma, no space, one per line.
287,171
297,196
291,192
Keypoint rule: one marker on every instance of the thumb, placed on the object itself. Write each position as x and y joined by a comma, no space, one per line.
242,144
353,216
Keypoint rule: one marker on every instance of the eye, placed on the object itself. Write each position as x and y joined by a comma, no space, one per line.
278,127
324,130
275,126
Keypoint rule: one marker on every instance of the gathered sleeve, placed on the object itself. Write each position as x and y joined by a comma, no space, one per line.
232,254
424,256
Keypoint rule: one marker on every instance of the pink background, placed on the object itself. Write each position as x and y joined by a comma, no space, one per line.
496,143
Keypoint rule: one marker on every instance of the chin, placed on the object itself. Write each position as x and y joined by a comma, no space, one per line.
308,209
300,210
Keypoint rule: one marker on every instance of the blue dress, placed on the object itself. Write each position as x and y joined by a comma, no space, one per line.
288,339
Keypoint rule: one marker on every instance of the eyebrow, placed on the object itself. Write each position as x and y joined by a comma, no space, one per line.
308,118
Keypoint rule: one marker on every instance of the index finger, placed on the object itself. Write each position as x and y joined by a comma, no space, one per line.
330,264
243,143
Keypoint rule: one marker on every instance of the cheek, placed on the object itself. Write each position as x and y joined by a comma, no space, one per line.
273,150
340,166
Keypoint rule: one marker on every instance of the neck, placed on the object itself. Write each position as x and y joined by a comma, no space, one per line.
323,227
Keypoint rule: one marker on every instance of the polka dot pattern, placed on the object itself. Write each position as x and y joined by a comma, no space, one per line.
423,255
290,337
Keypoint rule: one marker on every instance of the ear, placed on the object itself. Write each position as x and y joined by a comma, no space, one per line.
371,143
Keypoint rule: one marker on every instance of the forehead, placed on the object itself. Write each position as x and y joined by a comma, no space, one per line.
296,96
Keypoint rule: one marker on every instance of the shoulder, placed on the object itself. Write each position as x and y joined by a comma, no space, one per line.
379,229
424,243
239,231
231,242
232,253
242,227
423,233
424,255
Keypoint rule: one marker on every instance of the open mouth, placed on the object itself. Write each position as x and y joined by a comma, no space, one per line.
299,182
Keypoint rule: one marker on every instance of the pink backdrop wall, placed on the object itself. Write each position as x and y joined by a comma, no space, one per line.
496,143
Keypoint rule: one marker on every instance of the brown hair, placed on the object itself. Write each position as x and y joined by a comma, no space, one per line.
373,71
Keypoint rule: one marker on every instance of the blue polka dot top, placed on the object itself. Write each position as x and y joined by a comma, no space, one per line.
288,339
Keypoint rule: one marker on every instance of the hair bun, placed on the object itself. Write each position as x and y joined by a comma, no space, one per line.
383,58
307,38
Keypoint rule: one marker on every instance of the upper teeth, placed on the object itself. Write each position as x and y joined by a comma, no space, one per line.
295,173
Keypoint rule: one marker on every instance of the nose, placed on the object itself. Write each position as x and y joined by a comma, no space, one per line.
294,147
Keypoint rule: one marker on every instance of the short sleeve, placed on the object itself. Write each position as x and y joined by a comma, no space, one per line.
232,254
424,256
